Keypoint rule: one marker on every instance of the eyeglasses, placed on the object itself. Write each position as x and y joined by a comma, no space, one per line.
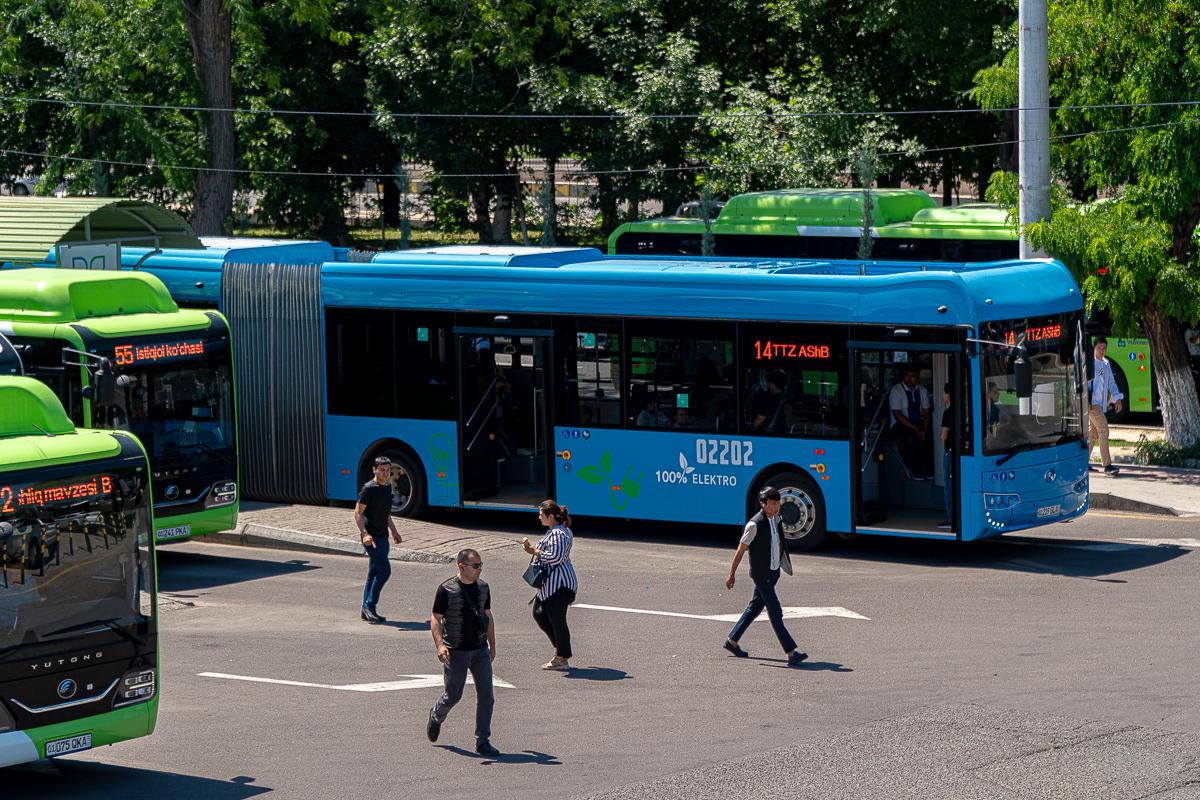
478,565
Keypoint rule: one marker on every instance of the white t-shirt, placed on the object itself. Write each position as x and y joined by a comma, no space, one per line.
752,530
898,400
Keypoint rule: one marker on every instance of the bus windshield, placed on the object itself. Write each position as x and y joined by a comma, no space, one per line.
176,396
1053,414
74,554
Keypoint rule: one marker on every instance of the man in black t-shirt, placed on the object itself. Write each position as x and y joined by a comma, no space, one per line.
465,638
373,515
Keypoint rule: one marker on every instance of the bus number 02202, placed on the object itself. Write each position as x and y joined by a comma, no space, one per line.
725,452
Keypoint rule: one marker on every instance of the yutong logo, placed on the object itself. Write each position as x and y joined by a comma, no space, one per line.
65,662
172,492
67,689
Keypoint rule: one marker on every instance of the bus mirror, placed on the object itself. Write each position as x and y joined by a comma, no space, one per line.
1023,374
104,385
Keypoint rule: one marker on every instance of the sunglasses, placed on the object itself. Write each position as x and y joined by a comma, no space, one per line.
478,565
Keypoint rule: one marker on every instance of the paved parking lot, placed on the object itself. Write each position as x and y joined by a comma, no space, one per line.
1058,665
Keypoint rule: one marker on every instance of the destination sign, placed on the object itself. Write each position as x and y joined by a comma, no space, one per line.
770,350
130,354
14,497
1035,334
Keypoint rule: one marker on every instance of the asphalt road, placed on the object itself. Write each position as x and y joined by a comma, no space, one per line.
1057,665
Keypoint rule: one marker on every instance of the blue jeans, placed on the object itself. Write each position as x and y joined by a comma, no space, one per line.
947,459
765,597
378,570
454,676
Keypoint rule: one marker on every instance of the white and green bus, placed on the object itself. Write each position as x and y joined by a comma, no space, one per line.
78,622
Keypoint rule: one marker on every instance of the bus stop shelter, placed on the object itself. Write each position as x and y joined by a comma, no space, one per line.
86,232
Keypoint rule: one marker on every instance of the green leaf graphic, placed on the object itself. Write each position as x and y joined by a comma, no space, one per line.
590,474
606,462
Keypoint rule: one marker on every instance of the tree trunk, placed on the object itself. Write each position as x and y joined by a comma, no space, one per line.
947,182
606,200
550,207
1172,372
210,32
502,217
481,198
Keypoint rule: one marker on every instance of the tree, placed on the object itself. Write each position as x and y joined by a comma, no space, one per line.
1133,251
210,33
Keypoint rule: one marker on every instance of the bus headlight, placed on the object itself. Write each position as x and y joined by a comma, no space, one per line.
222,494
136,686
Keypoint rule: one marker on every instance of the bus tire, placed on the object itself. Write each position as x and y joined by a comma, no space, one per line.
802,510
408,485
1123,387
33,554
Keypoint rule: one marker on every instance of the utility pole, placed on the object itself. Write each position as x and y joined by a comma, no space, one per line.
1034,101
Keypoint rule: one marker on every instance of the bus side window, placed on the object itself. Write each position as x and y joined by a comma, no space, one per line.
682,376
793,381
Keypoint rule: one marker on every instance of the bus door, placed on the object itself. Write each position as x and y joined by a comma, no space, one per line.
504,430
899,479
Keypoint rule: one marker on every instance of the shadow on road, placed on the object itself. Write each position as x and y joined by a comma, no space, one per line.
181,571
523,757
805,666
404,625
79,780
1070,558
597,674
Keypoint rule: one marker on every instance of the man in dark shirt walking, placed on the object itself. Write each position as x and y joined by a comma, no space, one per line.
466,641
768,554
373,515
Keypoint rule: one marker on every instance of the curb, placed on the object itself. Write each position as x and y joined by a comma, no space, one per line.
251,534
1104,501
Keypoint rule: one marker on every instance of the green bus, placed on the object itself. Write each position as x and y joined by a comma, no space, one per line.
78,622
907,225
121,355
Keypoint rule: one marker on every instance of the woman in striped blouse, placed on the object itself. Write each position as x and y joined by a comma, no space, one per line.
557,591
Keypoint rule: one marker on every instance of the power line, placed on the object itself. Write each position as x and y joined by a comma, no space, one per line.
560,173
417,115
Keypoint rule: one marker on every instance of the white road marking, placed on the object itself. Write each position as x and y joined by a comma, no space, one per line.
1189,543
789,612
413,682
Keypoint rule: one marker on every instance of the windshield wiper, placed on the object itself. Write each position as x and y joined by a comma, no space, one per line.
1018,448
215,451
111,624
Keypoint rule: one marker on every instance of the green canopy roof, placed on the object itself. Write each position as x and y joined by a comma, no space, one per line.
30,227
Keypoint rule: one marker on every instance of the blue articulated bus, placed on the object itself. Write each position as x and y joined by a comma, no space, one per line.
675,388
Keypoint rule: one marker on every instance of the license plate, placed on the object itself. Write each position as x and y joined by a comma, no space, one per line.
1050,511
73,744
173,533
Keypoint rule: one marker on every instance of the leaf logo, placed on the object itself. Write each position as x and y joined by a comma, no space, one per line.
683,465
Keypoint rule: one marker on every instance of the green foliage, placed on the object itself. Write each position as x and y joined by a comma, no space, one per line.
1157,452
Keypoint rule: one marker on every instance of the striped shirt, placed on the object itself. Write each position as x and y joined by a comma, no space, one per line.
554,552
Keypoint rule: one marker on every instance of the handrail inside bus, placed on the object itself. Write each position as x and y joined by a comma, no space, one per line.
878,434
482,399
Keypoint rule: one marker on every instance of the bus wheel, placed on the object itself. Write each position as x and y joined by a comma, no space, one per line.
408,485
802,511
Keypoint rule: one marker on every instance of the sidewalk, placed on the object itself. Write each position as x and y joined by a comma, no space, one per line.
323,529
1151,490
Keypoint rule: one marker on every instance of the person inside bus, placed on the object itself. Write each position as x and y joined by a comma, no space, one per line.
649,416
911,411
995,414
766,407
947,457
683,420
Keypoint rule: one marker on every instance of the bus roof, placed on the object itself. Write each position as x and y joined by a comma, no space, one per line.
67,295
193,274
35,431
896,214
584,282
971,221
821,207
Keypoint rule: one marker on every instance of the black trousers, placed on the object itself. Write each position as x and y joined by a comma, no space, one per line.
551,616
917,455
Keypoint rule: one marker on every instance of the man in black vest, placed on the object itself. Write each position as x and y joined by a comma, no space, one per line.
466,641
763,538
